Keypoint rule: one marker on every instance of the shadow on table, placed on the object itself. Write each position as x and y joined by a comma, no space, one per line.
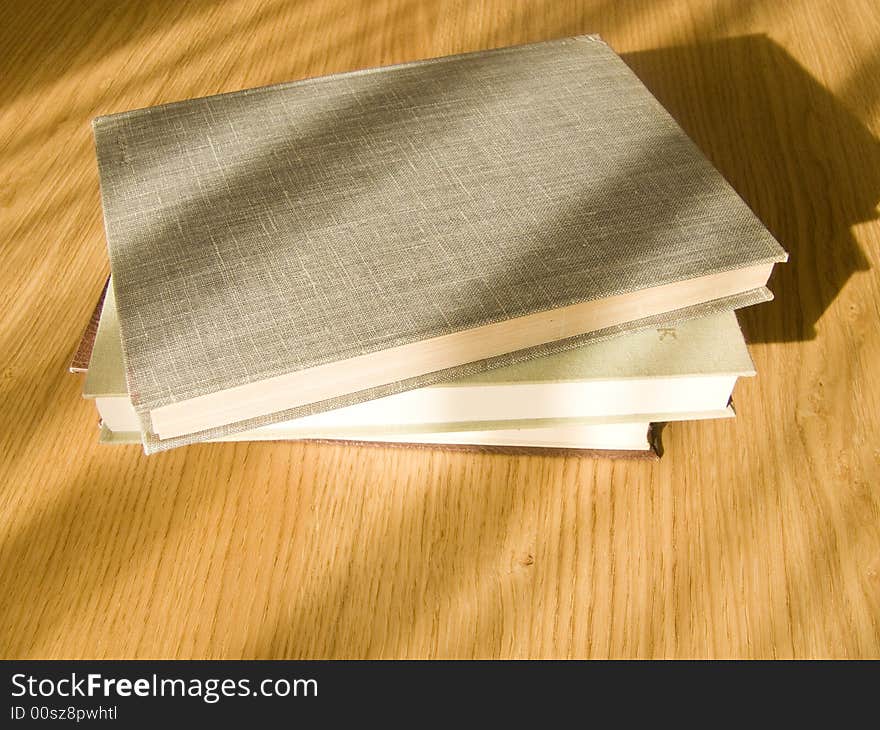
807,166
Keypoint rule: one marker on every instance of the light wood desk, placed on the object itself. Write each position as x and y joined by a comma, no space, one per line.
758,537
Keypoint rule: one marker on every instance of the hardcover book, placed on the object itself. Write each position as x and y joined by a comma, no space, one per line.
288,250
628,437
588,401
683,371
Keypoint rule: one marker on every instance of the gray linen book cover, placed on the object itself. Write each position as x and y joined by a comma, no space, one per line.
272,230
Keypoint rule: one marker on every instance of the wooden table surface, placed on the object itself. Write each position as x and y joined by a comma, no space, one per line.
758,537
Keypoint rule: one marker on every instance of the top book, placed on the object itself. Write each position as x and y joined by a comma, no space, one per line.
286,250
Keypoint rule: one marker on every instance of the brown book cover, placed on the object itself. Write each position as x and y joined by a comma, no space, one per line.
80,361
652,454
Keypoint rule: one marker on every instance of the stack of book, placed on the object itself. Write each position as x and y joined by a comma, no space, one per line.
517,248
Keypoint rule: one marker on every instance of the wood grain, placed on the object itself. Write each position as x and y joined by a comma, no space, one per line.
753,538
